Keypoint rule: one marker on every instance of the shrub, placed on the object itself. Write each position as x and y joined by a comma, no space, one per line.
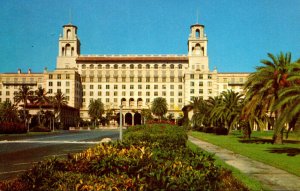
12,128
220,131
208,130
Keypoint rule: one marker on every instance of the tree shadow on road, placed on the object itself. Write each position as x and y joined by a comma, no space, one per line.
286,150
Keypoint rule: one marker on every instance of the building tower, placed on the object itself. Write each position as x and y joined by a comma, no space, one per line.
68,47
197,48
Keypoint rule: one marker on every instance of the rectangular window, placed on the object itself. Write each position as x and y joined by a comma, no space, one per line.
171,79
192,76
67,83
67,91
209,84
139,93
91,87
147,100
50,76
147,79
209,76
115,87
67,76
171,93
131,79
179,79
180,87
99,79
171,87
200,83
147,87
115,93
164,79
107,93
131,93
107,79
164,93
107,87
123,93
99,87
192,91
58,83
179,100
147,93
91,93
200,91
7,93
83,79
200,76
107,100
99,93
164,87
155,87
192,84
123,87
179,93
50,83
50,91
155,93
123,79
91,79
58,76
131,87
139,87
171,100
139,79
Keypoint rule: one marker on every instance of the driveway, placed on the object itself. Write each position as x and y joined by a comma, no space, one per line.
18,155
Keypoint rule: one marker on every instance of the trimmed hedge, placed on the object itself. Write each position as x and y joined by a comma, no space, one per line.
220,131
12,128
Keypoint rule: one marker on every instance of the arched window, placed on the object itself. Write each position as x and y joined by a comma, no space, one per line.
148,66
99,66
116,66
139,66
68,34
172,66
123,66
107,66
180,66
197,33
83,66
163,66
131,66
91,66
68,50
155,66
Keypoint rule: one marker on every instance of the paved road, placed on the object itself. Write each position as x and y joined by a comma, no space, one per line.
270,177
16,156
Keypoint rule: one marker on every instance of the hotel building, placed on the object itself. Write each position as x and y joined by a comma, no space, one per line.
130,81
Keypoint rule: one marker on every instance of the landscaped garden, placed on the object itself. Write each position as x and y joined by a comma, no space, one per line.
151,157
285,156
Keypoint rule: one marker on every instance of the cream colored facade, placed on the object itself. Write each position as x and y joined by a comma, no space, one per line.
132,81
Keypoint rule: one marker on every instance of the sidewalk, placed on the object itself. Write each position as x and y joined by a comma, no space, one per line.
270,177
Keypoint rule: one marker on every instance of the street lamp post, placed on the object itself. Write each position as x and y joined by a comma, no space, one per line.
121,122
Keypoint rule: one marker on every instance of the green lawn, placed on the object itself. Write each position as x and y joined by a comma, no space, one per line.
286,156
249,182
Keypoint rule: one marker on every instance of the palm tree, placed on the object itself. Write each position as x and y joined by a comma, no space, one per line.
212,103
229,109
159,107
41,98
263,86
200,110
59,100
146,114
8,112
289,101
96,109
23,95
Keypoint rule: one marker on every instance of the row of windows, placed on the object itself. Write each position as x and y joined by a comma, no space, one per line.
132,79
192,91
58,84
132,86
131,93
58,76
200,76
171,100
131,66
192,84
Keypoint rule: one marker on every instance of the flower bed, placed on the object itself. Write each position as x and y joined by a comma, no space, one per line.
143,161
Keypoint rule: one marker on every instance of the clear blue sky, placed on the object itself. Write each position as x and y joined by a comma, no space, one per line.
240,32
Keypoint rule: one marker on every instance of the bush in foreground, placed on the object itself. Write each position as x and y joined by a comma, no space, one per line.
151,165
12,128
